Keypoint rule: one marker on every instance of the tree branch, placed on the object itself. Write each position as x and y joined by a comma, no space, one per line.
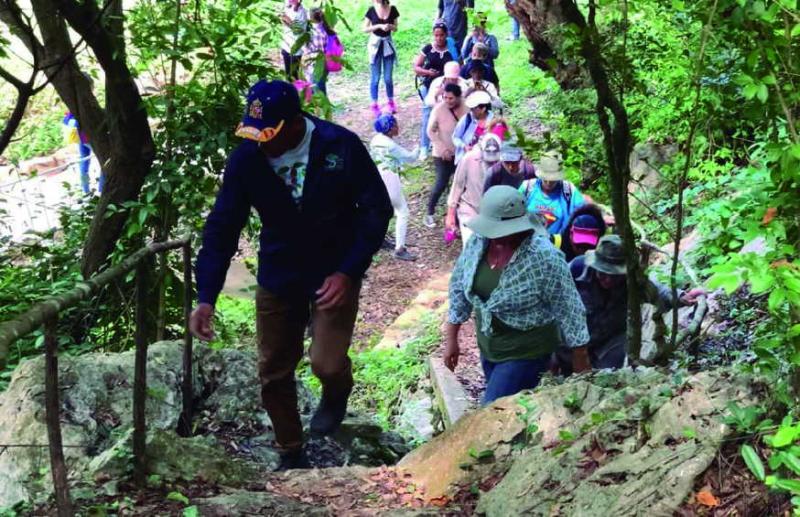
685,171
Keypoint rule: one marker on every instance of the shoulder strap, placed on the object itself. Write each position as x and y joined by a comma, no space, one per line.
566,189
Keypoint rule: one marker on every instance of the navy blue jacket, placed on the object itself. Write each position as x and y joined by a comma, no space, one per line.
339,225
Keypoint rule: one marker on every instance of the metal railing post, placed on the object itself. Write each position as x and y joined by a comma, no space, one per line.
140,377
185,427
52,404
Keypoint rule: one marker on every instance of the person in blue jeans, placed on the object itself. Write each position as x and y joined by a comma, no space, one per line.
428,65
380,21
522,294
78,137
514,22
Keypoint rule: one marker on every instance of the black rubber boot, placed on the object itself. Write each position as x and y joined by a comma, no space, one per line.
329,416
293,460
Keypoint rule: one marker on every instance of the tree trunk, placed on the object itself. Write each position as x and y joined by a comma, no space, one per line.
538,17
535,17
119,133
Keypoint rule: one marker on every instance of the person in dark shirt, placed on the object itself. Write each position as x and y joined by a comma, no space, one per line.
599,275
324,212
511,170
454,14
428,65
380,21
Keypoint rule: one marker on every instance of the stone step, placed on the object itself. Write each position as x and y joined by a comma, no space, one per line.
451,397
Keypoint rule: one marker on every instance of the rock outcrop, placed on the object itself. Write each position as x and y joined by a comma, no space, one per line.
96,398
619,443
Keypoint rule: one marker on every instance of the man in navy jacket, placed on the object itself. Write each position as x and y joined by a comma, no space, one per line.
324,212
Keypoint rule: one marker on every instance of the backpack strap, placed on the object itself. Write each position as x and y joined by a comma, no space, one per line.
566,190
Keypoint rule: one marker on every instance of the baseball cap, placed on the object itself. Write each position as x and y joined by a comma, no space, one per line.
510,153
585,230
490,147
269,105
477,98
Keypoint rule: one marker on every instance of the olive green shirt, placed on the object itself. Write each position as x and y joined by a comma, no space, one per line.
507,343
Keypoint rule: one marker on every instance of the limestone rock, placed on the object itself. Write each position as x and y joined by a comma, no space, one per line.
242,503
415,418
637,452
96,398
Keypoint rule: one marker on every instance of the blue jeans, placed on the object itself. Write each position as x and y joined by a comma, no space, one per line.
514,28
424,141
387,64
510,377
85,153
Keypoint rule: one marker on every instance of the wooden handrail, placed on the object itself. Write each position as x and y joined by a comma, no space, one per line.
46,314
37,315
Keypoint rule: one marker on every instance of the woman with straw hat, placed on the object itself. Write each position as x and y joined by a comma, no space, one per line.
523,296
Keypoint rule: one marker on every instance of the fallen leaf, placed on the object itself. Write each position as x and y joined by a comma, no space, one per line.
441,502
706,498
769,215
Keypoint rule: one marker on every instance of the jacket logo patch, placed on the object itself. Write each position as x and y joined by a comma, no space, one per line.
334,162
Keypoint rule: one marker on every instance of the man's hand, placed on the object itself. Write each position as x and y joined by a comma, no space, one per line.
690,296
200,322
451,353
580,360
334,291
448,154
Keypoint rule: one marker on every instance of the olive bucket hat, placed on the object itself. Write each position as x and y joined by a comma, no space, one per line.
502,213
608,257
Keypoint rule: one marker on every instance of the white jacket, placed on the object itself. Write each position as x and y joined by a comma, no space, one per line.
388,155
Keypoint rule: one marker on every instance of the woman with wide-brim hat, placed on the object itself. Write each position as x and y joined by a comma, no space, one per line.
521,292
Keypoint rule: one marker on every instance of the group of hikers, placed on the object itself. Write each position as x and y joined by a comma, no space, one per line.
325,208
541,271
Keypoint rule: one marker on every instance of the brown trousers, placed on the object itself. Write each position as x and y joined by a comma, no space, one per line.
281,323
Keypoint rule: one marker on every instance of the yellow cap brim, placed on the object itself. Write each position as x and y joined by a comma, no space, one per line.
259,135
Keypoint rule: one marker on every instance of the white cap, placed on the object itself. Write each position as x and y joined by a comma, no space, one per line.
477,98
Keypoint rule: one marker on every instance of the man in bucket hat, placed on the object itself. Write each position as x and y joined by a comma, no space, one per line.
522,295
600,278
324,213
550,194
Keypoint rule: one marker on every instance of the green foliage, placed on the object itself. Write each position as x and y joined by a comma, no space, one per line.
385,376
234,321
39,134
528,416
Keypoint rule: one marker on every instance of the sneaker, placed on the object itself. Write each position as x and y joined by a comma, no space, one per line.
423,154
328,417
293,460
391,106
429,222
387,245
376,110
403,254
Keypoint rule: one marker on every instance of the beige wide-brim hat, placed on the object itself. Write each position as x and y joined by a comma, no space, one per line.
549,167
502,212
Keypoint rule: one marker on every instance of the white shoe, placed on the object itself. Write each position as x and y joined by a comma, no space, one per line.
423,154
429,222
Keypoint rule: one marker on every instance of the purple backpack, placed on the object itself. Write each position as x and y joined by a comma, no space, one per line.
333,54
